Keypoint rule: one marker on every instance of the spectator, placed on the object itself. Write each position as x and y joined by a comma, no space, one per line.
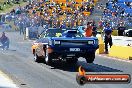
94,29
88,30
100,24
108,38
5,41
21,27
121,29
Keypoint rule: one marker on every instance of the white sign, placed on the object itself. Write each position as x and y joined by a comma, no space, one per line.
74,49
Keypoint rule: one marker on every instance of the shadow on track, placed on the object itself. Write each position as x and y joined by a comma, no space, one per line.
88,67
65,66
97,68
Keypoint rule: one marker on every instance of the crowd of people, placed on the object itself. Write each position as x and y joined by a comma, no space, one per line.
53,14
117,13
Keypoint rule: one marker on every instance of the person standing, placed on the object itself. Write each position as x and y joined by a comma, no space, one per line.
107,37
21,27
4,41
88,30
121,29
94,30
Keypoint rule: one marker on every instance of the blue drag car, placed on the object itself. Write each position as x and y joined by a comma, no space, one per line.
64,45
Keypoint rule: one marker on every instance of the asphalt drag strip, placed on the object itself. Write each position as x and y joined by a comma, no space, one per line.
19,65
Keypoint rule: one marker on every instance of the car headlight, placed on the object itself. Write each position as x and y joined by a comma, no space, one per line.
90,42
57,42
50,42
97,42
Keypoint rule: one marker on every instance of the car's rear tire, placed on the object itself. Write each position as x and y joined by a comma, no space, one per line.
90,57
36,58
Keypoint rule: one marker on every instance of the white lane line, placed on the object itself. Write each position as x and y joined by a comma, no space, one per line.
114,58
6,82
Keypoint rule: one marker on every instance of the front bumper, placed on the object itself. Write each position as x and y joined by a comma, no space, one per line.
65,52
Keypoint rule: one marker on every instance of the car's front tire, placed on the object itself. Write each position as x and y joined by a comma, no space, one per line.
90,57
48,58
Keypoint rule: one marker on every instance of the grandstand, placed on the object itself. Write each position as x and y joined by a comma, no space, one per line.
117,12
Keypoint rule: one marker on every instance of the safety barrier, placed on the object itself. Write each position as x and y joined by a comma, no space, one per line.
124,52
101,46
115,33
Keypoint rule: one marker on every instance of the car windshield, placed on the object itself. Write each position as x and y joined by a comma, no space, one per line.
51,33
73,33
59,33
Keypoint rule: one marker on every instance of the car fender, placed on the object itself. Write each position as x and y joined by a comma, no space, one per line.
40,50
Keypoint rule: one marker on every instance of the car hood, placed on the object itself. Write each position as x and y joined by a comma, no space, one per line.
74,38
